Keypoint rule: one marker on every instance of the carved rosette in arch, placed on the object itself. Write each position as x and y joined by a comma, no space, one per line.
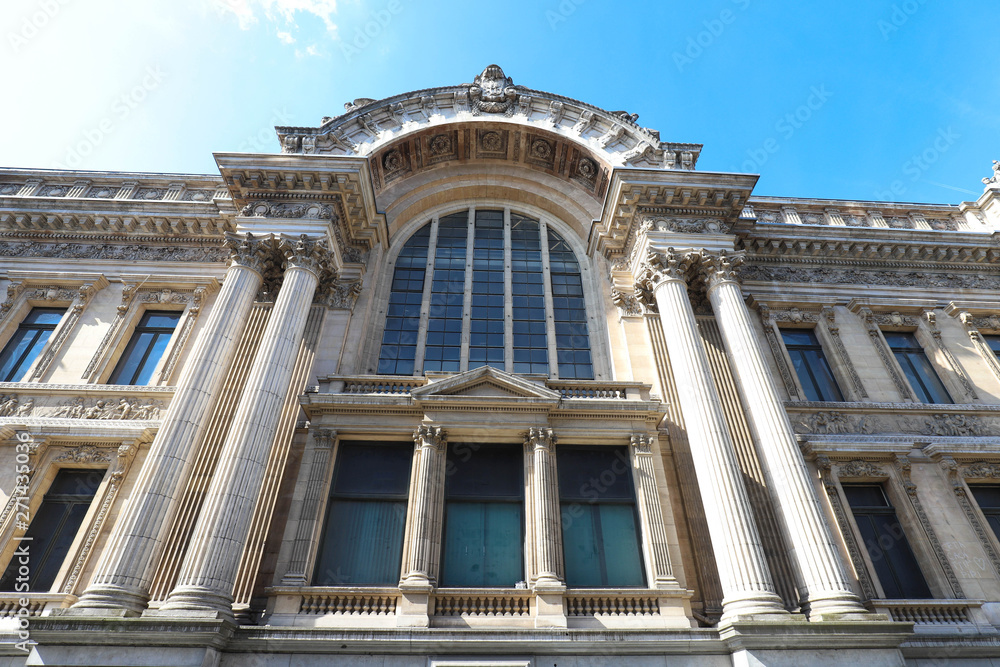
903,467
134,301
973,326
842,515
957,476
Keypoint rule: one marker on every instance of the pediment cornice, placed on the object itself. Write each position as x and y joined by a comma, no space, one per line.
485,384
369,125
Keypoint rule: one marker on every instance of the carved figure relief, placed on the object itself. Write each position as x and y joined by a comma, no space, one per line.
493,92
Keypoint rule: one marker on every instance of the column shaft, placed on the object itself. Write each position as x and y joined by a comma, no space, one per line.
746,582
123,574
544,505
426,507
208,574
825,587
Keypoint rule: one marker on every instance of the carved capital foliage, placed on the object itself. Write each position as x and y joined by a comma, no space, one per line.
253,252
324,438
718,268
860,469
661,267
333,293
641,444
540,438
430,436
628,304
305,252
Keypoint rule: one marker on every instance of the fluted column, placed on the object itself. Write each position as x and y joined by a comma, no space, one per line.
651,513
208,573
544,505
425,507
746,581
122,577
825,588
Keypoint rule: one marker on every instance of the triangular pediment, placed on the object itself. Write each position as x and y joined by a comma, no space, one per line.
485,382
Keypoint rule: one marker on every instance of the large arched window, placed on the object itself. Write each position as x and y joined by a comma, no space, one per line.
470,289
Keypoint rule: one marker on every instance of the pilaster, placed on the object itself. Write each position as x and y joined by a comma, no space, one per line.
539,444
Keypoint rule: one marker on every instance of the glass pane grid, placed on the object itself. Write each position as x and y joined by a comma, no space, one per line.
917,367
399,339
146,347
811,366
569,311
486,342
528,297
27,342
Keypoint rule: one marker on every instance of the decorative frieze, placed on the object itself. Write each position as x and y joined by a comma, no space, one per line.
860,469
116,253
306,209
894,419
785,274
81,407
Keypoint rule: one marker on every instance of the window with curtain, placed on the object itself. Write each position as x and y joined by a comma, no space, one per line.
27,342
810,365
54,527
362,542
988,498
145,348
483,516
489,301
600,525
895,565
917,367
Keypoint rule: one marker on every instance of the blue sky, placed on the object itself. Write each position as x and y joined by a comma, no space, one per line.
884,99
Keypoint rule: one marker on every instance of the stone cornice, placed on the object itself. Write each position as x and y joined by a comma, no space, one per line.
636,196
343,182
369,124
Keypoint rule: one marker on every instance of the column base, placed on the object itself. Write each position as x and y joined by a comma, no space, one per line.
839,606
759,606
413,607
550,611
109,600
196,601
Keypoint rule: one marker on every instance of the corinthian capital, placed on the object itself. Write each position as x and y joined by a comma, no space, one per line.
253,252
430,436
661,267
720,267
305,252
540,438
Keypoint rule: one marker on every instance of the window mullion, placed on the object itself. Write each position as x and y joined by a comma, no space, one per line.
508,297
467,298
425,300
550,323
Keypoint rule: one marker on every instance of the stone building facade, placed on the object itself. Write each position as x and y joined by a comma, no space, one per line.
486,376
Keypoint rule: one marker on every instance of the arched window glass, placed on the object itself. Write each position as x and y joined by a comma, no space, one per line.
488,301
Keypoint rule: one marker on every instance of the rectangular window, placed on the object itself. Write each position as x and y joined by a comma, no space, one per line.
483,516
994,343
53,528
895,565
144,350
600,527
27,342
988,498
811,366
917,367
362,543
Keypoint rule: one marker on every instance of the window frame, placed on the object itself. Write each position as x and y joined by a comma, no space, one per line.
941,378
132,342
593,297
823,356
21,326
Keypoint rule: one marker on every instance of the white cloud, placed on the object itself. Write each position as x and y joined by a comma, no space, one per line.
286,37
311,50
247,11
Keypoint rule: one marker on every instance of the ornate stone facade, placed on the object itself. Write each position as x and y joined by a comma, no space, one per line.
269,490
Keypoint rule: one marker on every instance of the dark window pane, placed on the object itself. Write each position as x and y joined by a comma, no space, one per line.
27,342
484,516
895,565
362,541
407,288
988,498
599,523
917,367
145,348
53,528
810,365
